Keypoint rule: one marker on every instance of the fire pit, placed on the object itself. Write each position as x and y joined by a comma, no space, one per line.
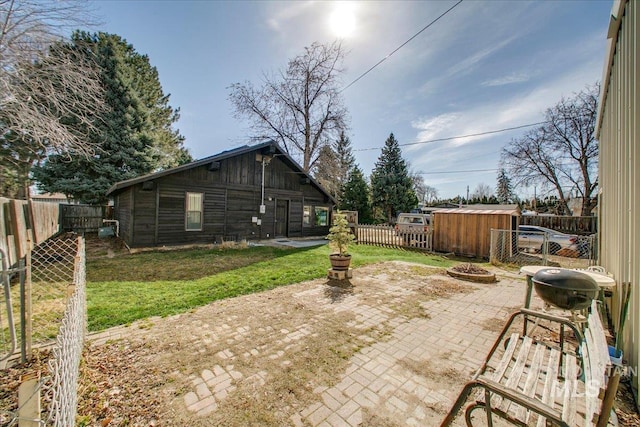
567,289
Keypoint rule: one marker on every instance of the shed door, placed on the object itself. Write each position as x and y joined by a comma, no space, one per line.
282,218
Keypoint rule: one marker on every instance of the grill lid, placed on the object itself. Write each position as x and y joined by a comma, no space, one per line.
568,280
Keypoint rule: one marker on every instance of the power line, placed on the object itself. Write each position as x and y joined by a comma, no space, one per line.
460,171
489,132
401,46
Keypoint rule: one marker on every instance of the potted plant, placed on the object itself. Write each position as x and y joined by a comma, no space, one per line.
339,238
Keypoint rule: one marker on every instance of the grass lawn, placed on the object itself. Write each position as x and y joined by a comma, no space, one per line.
123,289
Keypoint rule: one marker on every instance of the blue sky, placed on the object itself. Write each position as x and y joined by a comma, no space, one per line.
486,65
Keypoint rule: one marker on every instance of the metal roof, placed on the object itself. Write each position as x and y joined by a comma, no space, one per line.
512,212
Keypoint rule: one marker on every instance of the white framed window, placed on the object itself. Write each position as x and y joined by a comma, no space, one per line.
193,212
306,216
322,216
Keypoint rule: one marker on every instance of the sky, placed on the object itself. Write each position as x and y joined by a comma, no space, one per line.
484,66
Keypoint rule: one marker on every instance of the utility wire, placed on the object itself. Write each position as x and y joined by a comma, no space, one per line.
489,132
460,171
400,47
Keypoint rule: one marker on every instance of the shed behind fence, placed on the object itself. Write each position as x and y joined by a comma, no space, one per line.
467,232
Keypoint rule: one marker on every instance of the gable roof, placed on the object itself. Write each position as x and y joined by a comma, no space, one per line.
273,147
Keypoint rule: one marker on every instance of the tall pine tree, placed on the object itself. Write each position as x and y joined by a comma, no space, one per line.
355,196
134,136
391,186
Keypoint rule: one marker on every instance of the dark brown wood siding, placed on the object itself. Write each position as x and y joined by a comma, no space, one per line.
295,218
232,194
144,216
123,207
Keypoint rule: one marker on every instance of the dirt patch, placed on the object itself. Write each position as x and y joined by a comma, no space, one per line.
469,269
109,247
11,380
494,324
442,287
372,418
431,370
625,407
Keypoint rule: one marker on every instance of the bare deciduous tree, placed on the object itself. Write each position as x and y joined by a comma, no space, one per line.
430,194
302,107
482,191
39,90
562,154
419,187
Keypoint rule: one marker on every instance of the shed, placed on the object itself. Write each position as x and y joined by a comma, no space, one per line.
467,232
251,192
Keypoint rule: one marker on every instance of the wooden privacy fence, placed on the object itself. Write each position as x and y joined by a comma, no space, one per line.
386,235
23,221
81,218
564,224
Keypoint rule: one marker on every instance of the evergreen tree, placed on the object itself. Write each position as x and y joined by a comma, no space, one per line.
391,186
504,190
355,196
18,152
134,136
345,159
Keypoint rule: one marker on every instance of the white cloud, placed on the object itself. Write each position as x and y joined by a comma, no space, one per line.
507,80
430,128
467,65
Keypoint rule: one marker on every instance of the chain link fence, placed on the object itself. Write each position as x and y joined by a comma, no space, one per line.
47,303
53,271
64,366
509,247
33,299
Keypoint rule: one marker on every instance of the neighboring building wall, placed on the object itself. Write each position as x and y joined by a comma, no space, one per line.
122,209
619,175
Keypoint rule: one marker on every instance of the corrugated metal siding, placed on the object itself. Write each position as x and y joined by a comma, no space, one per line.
619,204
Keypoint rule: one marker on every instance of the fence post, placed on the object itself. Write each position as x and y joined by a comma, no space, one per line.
23,312
29,401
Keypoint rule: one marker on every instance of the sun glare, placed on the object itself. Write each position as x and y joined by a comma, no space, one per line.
342,20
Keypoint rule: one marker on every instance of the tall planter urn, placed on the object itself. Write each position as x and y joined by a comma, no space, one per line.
340,237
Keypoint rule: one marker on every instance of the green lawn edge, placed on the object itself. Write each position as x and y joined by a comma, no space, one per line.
120,302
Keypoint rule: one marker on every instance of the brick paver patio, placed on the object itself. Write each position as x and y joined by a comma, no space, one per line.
394,378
